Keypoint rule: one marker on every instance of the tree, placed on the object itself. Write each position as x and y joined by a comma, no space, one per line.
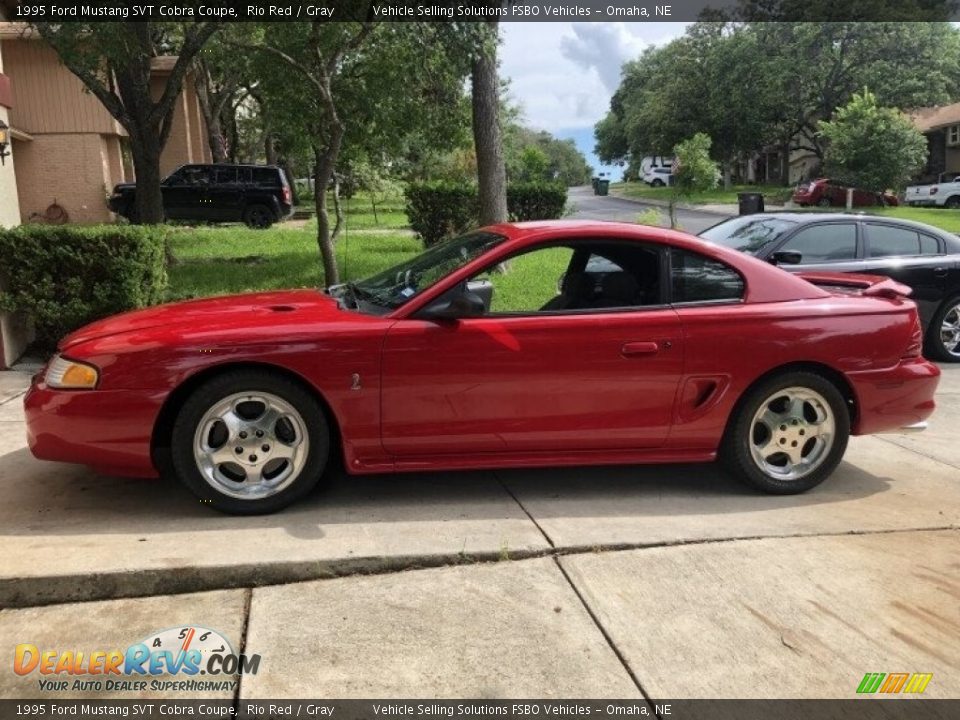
695,171
872,147
113,60
356,90
485,99
755,84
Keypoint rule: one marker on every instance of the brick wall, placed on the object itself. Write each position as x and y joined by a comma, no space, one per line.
67,169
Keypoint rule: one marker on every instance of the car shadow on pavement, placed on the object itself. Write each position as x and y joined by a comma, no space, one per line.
44,498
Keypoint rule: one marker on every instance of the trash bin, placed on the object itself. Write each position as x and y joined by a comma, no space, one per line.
750,203
593,183
603,187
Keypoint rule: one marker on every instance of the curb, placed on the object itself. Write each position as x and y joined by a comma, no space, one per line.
694,208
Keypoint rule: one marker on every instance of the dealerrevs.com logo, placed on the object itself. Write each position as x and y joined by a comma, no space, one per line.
179,654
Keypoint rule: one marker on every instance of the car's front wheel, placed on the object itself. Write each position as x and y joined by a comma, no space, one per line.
788,433
823,202
259,217
943,337
250,442
657,183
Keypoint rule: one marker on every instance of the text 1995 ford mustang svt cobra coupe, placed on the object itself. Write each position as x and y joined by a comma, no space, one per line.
534,344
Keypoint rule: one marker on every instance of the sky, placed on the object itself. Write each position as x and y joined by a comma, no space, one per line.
563,74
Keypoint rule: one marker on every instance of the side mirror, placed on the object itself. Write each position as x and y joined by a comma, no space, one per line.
463,304
786,257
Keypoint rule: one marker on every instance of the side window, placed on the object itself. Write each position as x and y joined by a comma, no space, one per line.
829,242
225,176
196,175
528,282
265,176
582,276
695,278
929,245
890,241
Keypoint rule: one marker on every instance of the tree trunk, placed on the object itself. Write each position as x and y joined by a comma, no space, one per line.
211,118
326,160
338,209
288,171
491,172
270,148
727,175
785,163
145,150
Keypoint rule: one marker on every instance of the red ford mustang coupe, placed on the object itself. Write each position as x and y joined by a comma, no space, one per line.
538,344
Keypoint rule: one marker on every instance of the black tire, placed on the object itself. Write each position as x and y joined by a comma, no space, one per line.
658,183
259,217
953,202
314,424
824,202
735,450
935,347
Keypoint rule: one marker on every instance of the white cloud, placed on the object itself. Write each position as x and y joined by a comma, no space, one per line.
563,74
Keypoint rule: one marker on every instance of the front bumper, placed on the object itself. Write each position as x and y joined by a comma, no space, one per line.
897,399
109,430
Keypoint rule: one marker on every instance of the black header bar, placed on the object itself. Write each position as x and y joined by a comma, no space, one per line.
483,10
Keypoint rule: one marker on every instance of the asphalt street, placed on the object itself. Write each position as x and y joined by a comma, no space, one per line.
587,206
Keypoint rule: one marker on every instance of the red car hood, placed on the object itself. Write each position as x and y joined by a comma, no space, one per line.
224,311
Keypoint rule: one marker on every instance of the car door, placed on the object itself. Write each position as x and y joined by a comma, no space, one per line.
909,256
225,195
186,193
832,245
539,372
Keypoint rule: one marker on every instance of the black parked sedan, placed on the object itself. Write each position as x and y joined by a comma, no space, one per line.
923,257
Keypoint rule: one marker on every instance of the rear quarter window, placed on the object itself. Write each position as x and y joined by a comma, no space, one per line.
696,278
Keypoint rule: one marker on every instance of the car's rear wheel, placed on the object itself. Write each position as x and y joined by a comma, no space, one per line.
657,183
788,433
250,442
259,217
943,337
823,202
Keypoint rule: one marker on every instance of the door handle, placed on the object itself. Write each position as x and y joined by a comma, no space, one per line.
940,272
632,349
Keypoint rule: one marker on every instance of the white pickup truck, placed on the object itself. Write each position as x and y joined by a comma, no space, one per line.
944,193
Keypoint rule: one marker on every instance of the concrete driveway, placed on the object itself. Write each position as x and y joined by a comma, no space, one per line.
663,582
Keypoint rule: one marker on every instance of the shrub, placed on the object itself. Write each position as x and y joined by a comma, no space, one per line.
66,276
536,201
441,209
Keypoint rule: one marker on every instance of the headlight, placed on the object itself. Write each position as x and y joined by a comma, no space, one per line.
66,374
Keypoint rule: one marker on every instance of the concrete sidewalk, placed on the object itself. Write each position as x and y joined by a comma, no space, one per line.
788,618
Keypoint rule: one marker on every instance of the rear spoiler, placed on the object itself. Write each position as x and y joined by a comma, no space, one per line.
870,285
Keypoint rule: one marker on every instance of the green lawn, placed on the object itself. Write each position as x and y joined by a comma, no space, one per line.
948,220
232,258
216,260
775,194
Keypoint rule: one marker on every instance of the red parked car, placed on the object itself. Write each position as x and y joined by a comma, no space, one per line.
823,193
656,347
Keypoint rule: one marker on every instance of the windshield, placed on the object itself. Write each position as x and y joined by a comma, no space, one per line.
749,234
392,288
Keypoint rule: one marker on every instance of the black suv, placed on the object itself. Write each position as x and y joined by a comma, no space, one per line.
259,195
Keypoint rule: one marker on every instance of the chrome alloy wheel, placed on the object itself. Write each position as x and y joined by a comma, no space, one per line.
251,445
791,433
950,330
